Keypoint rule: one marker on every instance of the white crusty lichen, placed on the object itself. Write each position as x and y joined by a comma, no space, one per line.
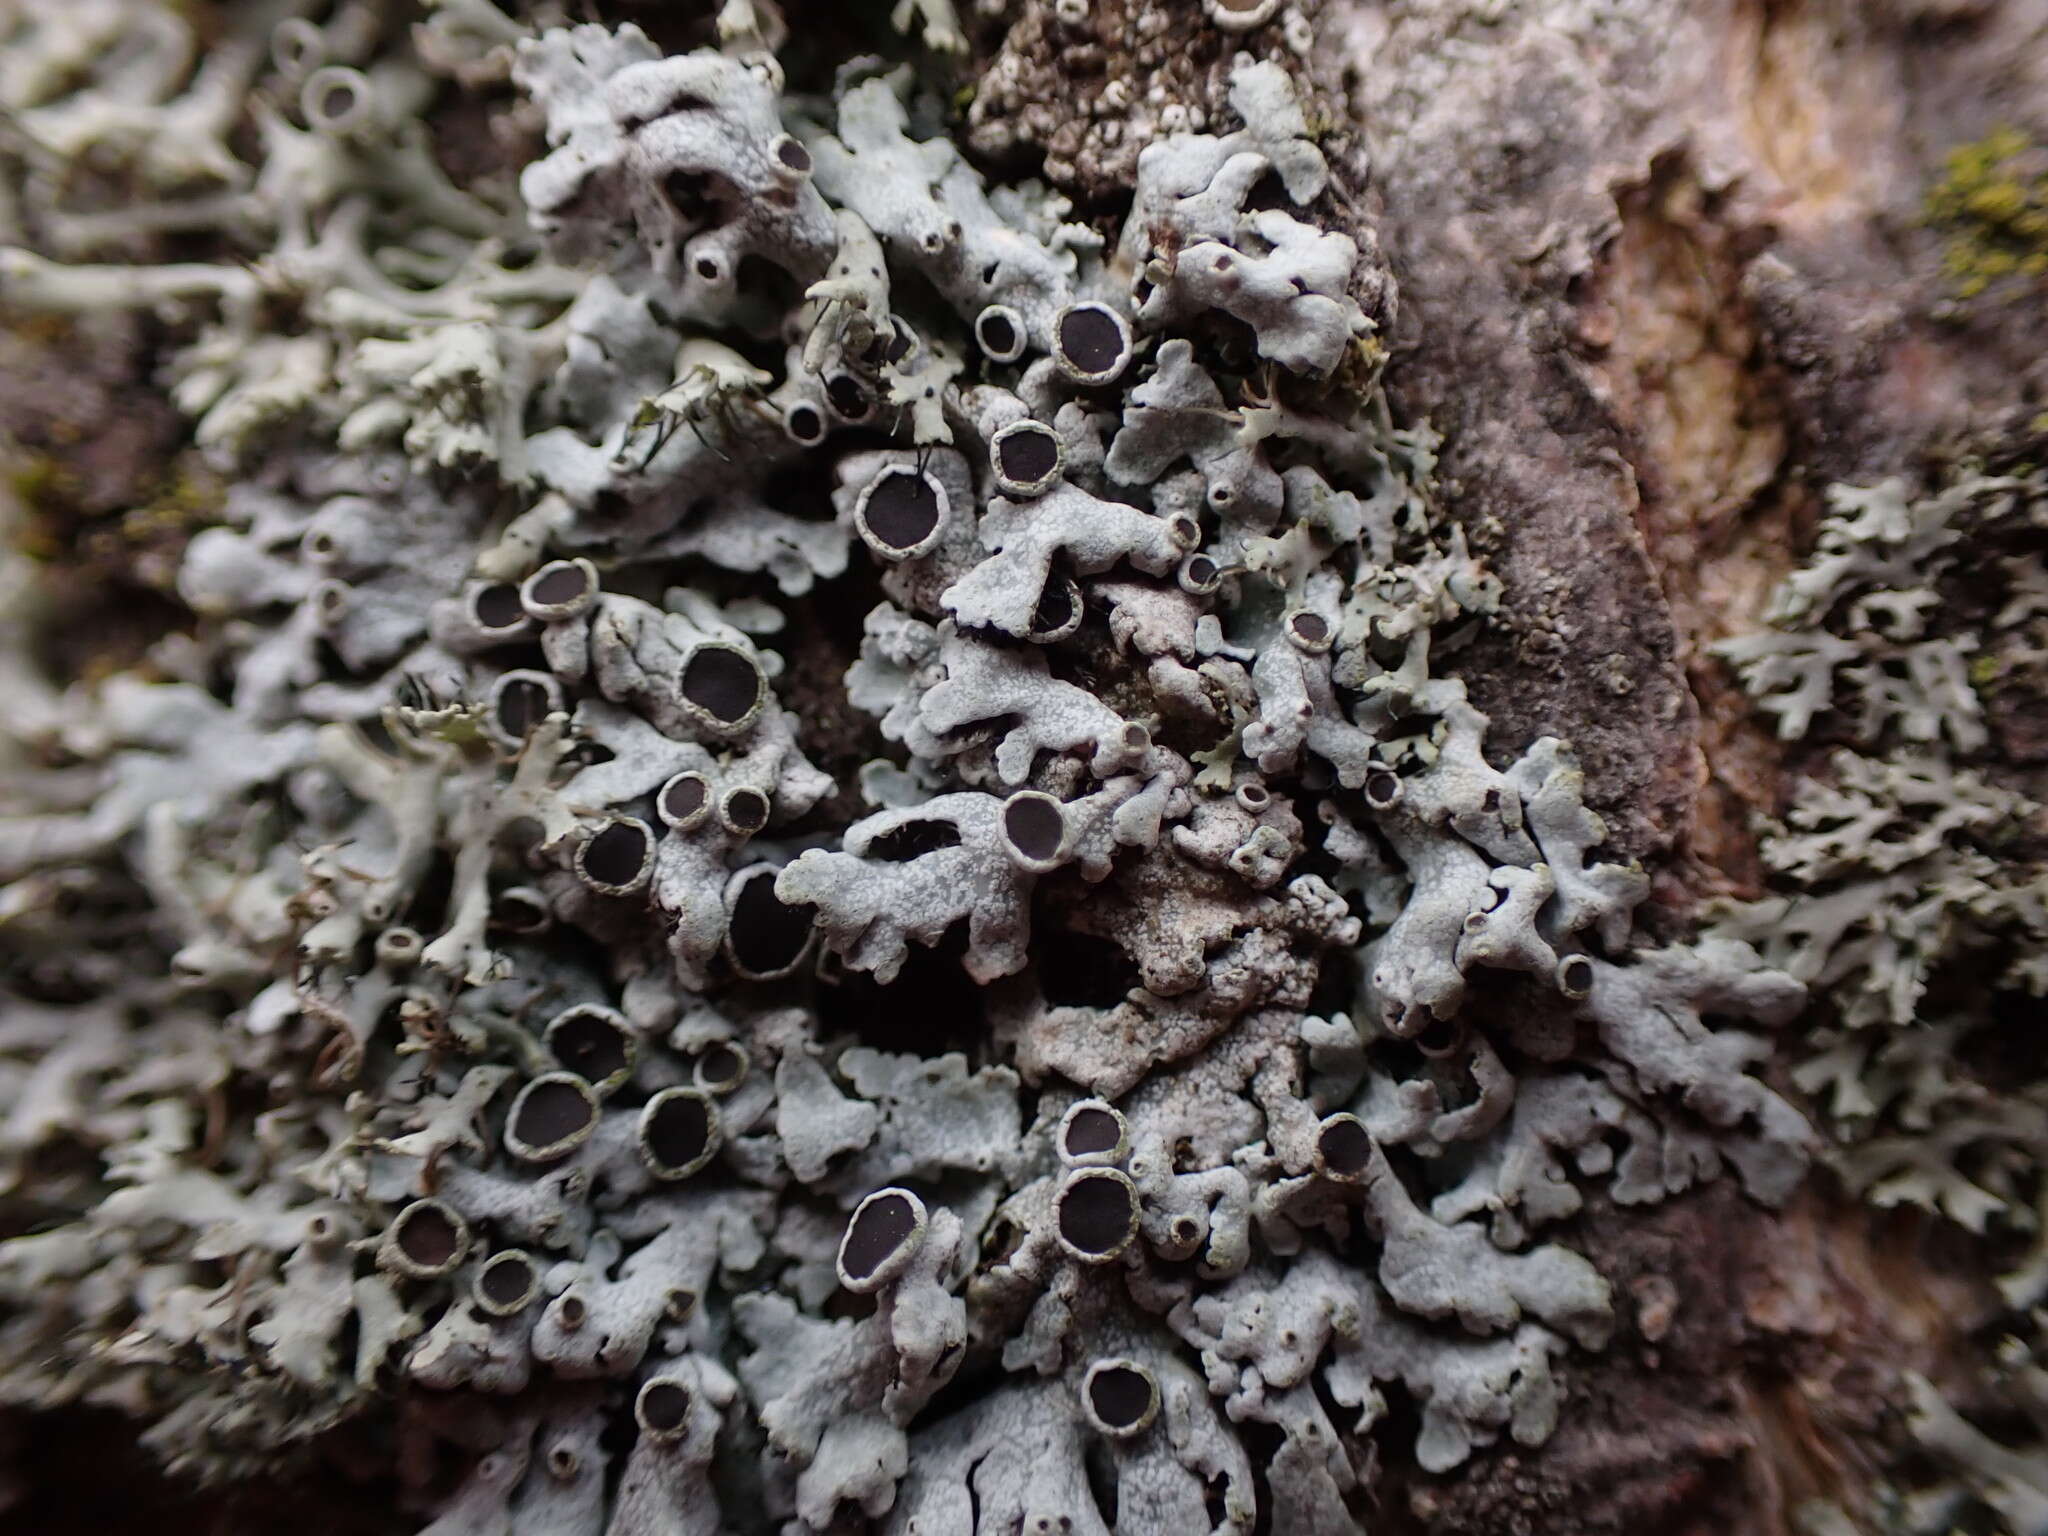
481,1007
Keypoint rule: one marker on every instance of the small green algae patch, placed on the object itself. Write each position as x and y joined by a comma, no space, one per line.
1992,205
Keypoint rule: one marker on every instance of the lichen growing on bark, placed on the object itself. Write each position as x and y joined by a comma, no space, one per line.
826,847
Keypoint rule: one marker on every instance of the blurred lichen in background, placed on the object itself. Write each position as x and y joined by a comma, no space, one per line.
1911,893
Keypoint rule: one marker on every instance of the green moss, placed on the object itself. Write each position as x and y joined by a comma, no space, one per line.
1992,204
48,493
189,498
136,547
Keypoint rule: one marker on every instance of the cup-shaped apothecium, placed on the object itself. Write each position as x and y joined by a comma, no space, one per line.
1027,457
663,1408
520,700
1000,332
594,1042
1059,611
507,1283
684,802
559,590
721,686
1035,832
1120,1397
1096,1214
552,1117
426,1239
1093,1132
722,1067
902,512
743,810
618,857
884,1235
1343,1148
1091,343
679,1132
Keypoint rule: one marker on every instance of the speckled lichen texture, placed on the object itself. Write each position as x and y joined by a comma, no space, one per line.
1069,766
